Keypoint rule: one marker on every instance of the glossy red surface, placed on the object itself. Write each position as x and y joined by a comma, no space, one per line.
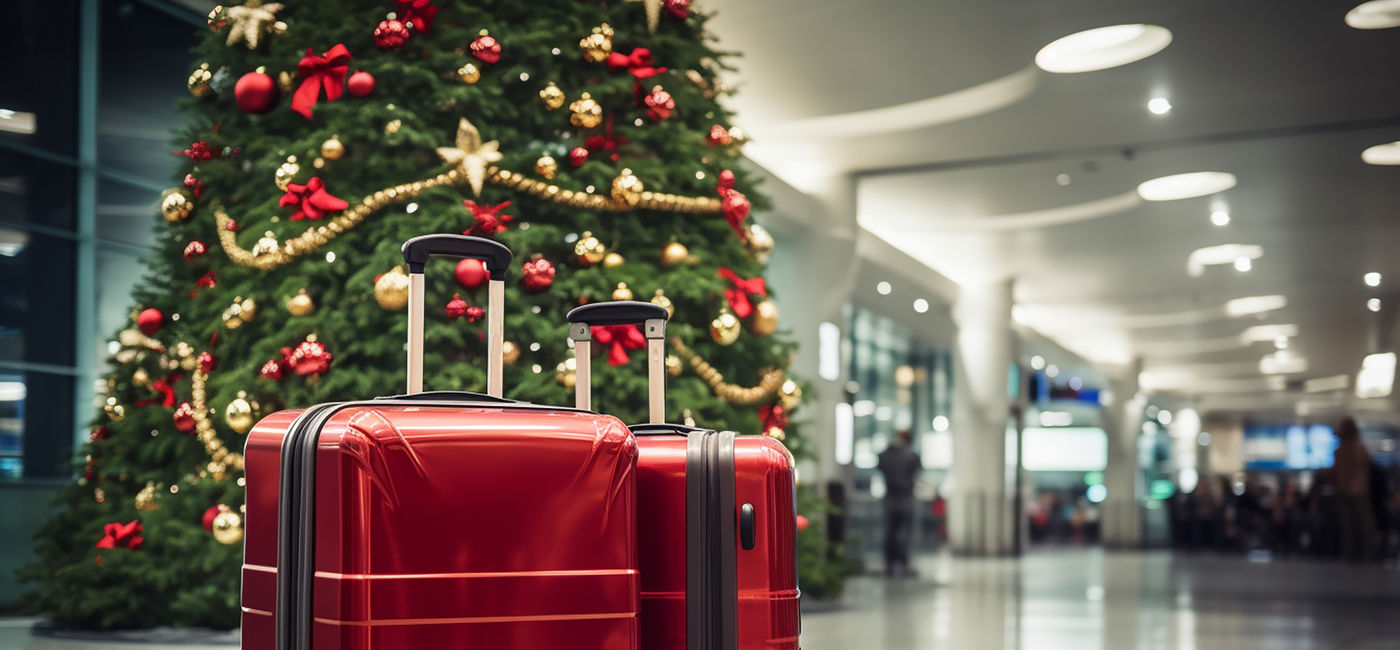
452,527
768,595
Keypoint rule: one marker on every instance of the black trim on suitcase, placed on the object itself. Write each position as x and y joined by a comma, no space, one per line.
712,568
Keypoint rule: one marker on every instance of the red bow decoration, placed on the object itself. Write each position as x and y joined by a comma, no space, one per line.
773,416
622,338
313,199
327,70
489,220
418,13
638,63
735,207
606,142
738,296
166,389
117,535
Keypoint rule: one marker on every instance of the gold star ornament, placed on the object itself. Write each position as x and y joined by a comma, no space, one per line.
653,8
249,21
471,155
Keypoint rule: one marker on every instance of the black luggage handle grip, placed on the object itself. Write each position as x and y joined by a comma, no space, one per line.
617,312
416,252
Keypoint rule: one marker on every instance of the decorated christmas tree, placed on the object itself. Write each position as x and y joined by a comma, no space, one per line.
587,136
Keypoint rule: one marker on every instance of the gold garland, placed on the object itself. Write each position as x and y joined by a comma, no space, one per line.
222,460
271,257
769,382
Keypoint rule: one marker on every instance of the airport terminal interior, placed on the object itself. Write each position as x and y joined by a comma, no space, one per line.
1088,323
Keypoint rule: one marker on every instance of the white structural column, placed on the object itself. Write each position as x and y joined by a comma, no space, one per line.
1122,418
980,510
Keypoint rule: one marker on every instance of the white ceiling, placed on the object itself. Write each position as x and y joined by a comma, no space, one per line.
956,141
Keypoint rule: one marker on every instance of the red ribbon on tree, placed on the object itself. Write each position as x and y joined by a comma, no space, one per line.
489,220
738,295
621,338
735,207
418,13
772,415
638,63
167,391
328,71
118,535
606,142
312,199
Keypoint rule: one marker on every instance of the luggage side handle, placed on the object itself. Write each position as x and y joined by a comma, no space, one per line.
621,312
497,257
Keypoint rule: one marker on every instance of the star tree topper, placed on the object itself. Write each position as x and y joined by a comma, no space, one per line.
471,155
249,21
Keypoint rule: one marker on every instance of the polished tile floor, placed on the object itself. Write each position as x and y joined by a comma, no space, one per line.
1073,600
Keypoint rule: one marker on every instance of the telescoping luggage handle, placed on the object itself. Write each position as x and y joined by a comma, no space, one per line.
497,257
621,312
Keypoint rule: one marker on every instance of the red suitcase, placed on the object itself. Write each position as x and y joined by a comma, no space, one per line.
441,520
721,572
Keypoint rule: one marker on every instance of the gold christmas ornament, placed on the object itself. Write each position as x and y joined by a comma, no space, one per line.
140,377
115,412
660,300
251,20
216,470
249,309
724,329
673,365
622,292
765,318
175,204
587,113
597,46
775,433
286,173
738,135
589,250
510,352
228,527
300,304
284,81
266,246
552,96
333,148
675,253
218,18
790,394
240,312
627,189
239,414
546,166
198,83
566,371
760,243
146,498
469,73
393,126
613,260
391,291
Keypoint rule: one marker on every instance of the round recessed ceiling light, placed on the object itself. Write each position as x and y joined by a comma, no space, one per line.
1220,218
1372,279
1374,304
1377,14
1159,105
1382,154
920,305
1185,186
1102,48
1243,264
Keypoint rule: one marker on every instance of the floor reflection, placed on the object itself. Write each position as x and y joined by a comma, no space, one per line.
1092,600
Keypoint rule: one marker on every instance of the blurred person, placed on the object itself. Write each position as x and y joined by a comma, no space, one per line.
1356,516
1206,504
901,468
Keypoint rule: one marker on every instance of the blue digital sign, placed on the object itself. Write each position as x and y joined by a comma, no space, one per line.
1288,446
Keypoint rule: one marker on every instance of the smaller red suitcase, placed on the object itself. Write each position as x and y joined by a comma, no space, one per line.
719,573
443,521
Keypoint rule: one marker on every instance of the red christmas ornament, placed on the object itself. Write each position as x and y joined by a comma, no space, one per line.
738,293
578,156
489,220
803,522
309,358
772,416
231,226
735,207
475,313
486,48
206,362
678,8
271,370
720,136
619,339
256,93
606,142
196,186
184,417
210,514
471,273
360,84
208,281
312,200
149,321
659,104
726,179
90,470
417,14
317,72
98,433
199,151
456,307
539,274
391,34
194,249
118,535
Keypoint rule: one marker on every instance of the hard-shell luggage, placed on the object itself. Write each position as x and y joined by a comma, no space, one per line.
717,514
441,520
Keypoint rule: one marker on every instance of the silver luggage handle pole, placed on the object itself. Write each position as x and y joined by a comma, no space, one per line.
622,312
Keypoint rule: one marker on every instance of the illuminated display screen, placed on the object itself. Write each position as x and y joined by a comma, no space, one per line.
1288,446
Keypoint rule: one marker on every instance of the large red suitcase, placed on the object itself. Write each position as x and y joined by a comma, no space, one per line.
441,520
719,573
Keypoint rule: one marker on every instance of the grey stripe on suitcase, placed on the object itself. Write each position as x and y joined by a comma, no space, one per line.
712,568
